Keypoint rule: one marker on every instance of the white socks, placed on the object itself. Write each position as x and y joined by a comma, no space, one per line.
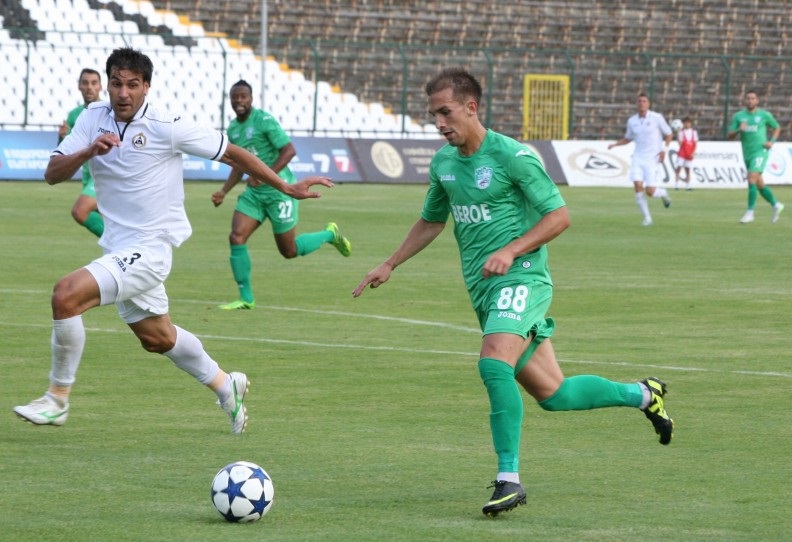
188,354
643,205
647,396
67,342
508,477
660,193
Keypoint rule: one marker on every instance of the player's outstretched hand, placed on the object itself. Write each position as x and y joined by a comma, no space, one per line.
300,189
376,277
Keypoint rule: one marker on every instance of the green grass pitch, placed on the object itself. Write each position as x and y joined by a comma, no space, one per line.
369,413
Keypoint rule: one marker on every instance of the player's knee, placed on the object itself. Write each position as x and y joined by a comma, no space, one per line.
557,401
64,301
288,252
156,343
79,215
237,238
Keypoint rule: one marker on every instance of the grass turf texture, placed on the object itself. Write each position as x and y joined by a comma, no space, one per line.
369,414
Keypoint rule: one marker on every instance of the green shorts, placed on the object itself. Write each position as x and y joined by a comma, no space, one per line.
519,309
282,210
756,163
88,188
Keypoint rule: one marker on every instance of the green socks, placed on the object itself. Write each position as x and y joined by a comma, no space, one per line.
310,242
94,223
586,392
240,267
582,392
506,411
767,194
753,192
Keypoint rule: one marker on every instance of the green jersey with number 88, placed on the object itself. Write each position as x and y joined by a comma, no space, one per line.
495,196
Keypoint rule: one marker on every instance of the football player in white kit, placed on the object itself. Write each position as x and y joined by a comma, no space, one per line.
652,136
135,151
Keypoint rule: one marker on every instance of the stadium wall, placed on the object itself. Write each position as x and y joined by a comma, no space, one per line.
718,164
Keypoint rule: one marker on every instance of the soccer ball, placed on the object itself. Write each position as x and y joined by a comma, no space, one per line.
676,125
242,492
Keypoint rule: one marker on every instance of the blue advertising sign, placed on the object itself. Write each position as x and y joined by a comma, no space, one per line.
24,155
327,156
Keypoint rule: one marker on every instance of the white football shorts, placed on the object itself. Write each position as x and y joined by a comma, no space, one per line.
133,278
646,170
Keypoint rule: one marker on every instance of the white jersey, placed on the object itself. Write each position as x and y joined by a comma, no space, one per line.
648,134
140,184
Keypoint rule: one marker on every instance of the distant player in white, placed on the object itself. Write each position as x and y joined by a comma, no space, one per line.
135,152
688,139
652,135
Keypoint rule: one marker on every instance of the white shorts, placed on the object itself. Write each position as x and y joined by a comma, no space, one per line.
133,278
646,170
681,162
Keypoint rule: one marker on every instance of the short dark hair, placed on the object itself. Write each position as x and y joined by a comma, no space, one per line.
126,58
687,119
243,83
89,71
463,84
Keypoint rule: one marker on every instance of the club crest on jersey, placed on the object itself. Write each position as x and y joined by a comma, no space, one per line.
139,141
249,132
483,177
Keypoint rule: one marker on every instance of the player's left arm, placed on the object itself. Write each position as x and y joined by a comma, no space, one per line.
285,155
261,173
541,192
548,228
776,132
666,142
668,135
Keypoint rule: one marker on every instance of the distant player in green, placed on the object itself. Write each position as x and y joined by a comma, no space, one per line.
752,125
84,210
259,132
506,209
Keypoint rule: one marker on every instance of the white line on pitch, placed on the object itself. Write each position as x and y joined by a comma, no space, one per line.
429,351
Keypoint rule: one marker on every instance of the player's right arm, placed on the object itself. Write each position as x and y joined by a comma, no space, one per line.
734,128
419,237
63,131
233,178
62,167
622,141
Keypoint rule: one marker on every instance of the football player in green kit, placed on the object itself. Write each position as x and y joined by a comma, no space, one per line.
259,132
752,124
84,210
506,209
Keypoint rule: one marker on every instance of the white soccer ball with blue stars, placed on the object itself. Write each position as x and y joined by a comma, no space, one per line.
242,492
676,125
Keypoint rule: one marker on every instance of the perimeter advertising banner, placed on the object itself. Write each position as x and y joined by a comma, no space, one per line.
717,164
24,155
395,160
407,161
326,156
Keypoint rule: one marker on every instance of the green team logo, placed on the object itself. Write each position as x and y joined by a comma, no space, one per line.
483,177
